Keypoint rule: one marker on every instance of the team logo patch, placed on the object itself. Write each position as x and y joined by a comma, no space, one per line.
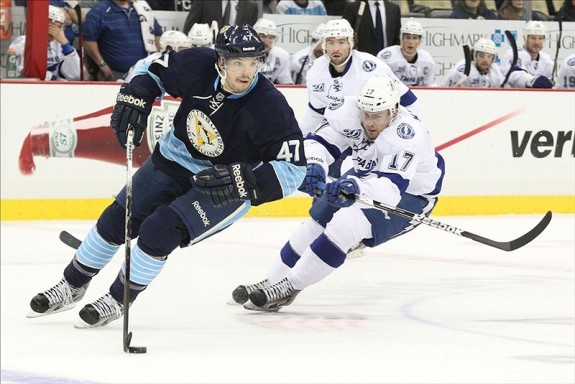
335,103
368,66
317,87
405,131
203,134
386,54
160,121
571,62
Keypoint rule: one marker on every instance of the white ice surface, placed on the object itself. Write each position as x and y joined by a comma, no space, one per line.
428,307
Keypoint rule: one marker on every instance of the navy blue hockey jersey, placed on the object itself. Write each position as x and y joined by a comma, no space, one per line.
213,127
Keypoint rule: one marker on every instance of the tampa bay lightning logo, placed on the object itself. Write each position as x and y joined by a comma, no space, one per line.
317,87
352,133
571,62
405,131
368,66
386,55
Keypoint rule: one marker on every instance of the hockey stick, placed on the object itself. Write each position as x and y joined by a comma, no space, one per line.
70,240
467,69
558,46
513,44
503,245
128,244
360,11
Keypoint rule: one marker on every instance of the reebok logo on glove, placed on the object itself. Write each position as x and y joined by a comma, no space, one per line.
129,99
239,181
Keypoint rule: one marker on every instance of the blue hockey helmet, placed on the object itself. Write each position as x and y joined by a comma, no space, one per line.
239,41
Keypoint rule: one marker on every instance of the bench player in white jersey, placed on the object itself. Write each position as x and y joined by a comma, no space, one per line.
302,60
341,72
394,161
170,40
412,65
566,75
277,66
486,73
530,55
201,36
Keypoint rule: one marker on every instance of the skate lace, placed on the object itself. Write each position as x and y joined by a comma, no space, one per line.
261,285
61,293
107,306
279,290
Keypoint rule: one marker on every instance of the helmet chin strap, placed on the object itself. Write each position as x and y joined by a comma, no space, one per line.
224,75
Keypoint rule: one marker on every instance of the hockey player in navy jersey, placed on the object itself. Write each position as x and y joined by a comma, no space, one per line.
224,153
394,161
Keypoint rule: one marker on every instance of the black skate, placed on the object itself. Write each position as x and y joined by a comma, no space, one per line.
99,313
59,298
242,293
271,298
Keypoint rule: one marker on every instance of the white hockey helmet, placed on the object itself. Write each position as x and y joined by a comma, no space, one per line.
412,27
175,39
317,33
200,35
533,27
338,28
485,45
379,94
266,27
56,14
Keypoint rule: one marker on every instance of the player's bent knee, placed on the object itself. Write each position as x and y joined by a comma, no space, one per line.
162,232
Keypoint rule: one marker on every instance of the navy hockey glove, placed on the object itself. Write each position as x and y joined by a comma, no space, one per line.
314,181
133,105
540,82
341,193
226,184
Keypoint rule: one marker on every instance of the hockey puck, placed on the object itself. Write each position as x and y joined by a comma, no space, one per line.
137,349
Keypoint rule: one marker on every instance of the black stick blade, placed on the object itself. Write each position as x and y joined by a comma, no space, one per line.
70,240
517,243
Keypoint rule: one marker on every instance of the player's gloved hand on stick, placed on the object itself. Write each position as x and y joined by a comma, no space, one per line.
226,184
540,82
341,193
314,181
133,105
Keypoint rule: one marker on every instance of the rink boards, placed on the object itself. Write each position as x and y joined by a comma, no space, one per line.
506,151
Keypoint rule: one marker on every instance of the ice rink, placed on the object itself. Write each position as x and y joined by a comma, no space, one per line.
428,307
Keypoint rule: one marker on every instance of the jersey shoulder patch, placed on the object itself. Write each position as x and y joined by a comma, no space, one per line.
405,131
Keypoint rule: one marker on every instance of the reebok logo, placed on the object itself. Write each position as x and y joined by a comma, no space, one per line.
202,213
239,180
129,99
247,49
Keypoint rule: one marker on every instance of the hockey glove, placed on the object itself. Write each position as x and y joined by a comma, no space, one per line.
226,184
540,82
341,193
314,181
133,105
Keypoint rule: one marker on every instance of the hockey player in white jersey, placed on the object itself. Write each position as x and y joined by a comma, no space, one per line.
63,59
277,65
530,56
566,74
341,72
394,161
412,65
302,60
486,73
170,40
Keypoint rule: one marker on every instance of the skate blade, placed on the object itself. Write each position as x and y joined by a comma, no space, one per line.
252,307
32,314
81,324
232,302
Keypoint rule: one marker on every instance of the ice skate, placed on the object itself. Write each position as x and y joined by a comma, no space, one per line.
241,294
59,298
356,251
271,298
99,313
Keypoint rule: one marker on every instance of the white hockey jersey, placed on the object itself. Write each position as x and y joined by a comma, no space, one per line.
401,159
141,67
566,74
277,66
541,67
301,62
419,73
326,92
60,66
